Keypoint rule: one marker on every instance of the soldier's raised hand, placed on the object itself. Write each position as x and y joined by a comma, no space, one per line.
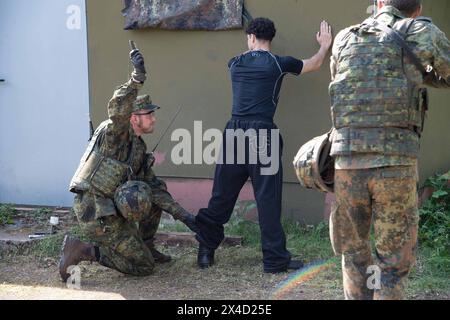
325,35
139,72
137,60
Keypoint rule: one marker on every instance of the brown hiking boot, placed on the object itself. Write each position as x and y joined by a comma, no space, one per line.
157,256
74,251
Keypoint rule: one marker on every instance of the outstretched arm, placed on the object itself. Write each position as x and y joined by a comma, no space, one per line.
432,47
324,38
121,104
439,76
163,199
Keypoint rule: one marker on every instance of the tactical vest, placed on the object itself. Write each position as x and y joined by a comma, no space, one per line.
99,173
375,108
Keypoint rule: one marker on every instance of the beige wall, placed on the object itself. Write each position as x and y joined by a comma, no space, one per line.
188,68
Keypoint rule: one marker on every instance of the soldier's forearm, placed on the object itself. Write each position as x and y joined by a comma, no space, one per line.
441,63
164,200
120,108
121,103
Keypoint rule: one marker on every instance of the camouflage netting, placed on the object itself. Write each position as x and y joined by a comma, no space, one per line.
183,15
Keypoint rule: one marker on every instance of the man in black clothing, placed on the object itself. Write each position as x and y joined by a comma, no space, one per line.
257,77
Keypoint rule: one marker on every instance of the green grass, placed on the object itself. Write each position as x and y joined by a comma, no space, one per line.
7,212
310,242
305,242
430,273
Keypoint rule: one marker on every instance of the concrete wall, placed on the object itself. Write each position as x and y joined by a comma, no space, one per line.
44,101
188,68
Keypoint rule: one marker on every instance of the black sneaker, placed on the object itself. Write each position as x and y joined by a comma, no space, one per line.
295,265
292,265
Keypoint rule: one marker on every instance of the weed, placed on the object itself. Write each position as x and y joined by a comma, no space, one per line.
6,213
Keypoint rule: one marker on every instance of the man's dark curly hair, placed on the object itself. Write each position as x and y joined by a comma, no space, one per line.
262,28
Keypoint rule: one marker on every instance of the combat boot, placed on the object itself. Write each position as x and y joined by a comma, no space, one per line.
205,258
159,257
72,253
189,220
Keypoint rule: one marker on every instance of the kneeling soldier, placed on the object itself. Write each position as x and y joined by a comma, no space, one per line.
119,200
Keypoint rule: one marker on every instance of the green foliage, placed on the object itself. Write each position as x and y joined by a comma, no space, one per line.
248,230
434,232
242,208
41,214
6,213
51,246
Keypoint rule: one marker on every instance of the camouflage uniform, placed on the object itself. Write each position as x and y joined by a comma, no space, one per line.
122,243
378,110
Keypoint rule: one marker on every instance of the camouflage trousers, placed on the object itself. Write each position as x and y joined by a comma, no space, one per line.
122,243
385,199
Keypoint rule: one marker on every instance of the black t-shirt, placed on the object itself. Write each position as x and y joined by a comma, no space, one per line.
257,77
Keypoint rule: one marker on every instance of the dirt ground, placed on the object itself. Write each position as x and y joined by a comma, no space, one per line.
237,275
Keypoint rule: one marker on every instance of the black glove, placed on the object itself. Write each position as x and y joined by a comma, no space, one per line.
188,219
139,72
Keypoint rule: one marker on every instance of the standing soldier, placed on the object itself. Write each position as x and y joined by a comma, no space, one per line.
378,108
119,200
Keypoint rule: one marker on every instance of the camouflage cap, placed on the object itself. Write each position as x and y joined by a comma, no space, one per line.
144,103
